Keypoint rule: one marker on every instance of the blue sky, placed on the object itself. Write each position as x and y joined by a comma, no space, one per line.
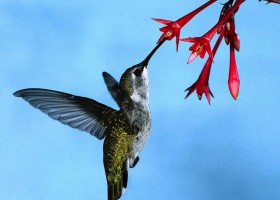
228,150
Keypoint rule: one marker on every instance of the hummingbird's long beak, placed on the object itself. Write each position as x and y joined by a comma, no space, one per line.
145,62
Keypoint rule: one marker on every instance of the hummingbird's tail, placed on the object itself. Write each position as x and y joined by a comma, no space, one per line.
116,187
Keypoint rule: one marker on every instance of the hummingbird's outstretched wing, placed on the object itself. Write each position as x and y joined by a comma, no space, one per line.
78,112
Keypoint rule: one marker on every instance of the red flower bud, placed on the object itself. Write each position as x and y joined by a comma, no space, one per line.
233,77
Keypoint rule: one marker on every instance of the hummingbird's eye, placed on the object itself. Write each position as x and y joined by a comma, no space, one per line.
137,72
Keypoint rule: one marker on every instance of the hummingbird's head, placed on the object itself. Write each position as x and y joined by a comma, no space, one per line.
135,79
136,82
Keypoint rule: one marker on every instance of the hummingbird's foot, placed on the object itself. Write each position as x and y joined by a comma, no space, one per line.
135,162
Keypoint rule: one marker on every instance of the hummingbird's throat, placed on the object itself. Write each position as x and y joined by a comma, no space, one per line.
140,94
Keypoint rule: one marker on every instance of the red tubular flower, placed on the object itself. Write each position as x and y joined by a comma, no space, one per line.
201,85
232,38
173,28
233,77
230,34
202,44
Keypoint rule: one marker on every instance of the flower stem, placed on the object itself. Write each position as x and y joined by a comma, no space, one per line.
209,35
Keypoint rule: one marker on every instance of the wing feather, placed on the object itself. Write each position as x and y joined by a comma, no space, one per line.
77,112
120,95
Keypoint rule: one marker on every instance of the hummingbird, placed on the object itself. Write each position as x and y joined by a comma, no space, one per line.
125,130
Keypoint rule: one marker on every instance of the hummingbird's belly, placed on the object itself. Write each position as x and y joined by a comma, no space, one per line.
141,138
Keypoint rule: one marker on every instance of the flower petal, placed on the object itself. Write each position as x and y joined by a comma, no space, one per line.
192,57
162,21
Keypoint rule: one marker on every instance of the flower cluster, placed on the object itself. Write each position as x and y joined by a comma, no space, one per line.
225,28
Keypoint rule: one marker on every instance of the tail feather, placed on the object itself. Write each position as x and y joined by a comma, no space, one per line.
115,189
125,175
